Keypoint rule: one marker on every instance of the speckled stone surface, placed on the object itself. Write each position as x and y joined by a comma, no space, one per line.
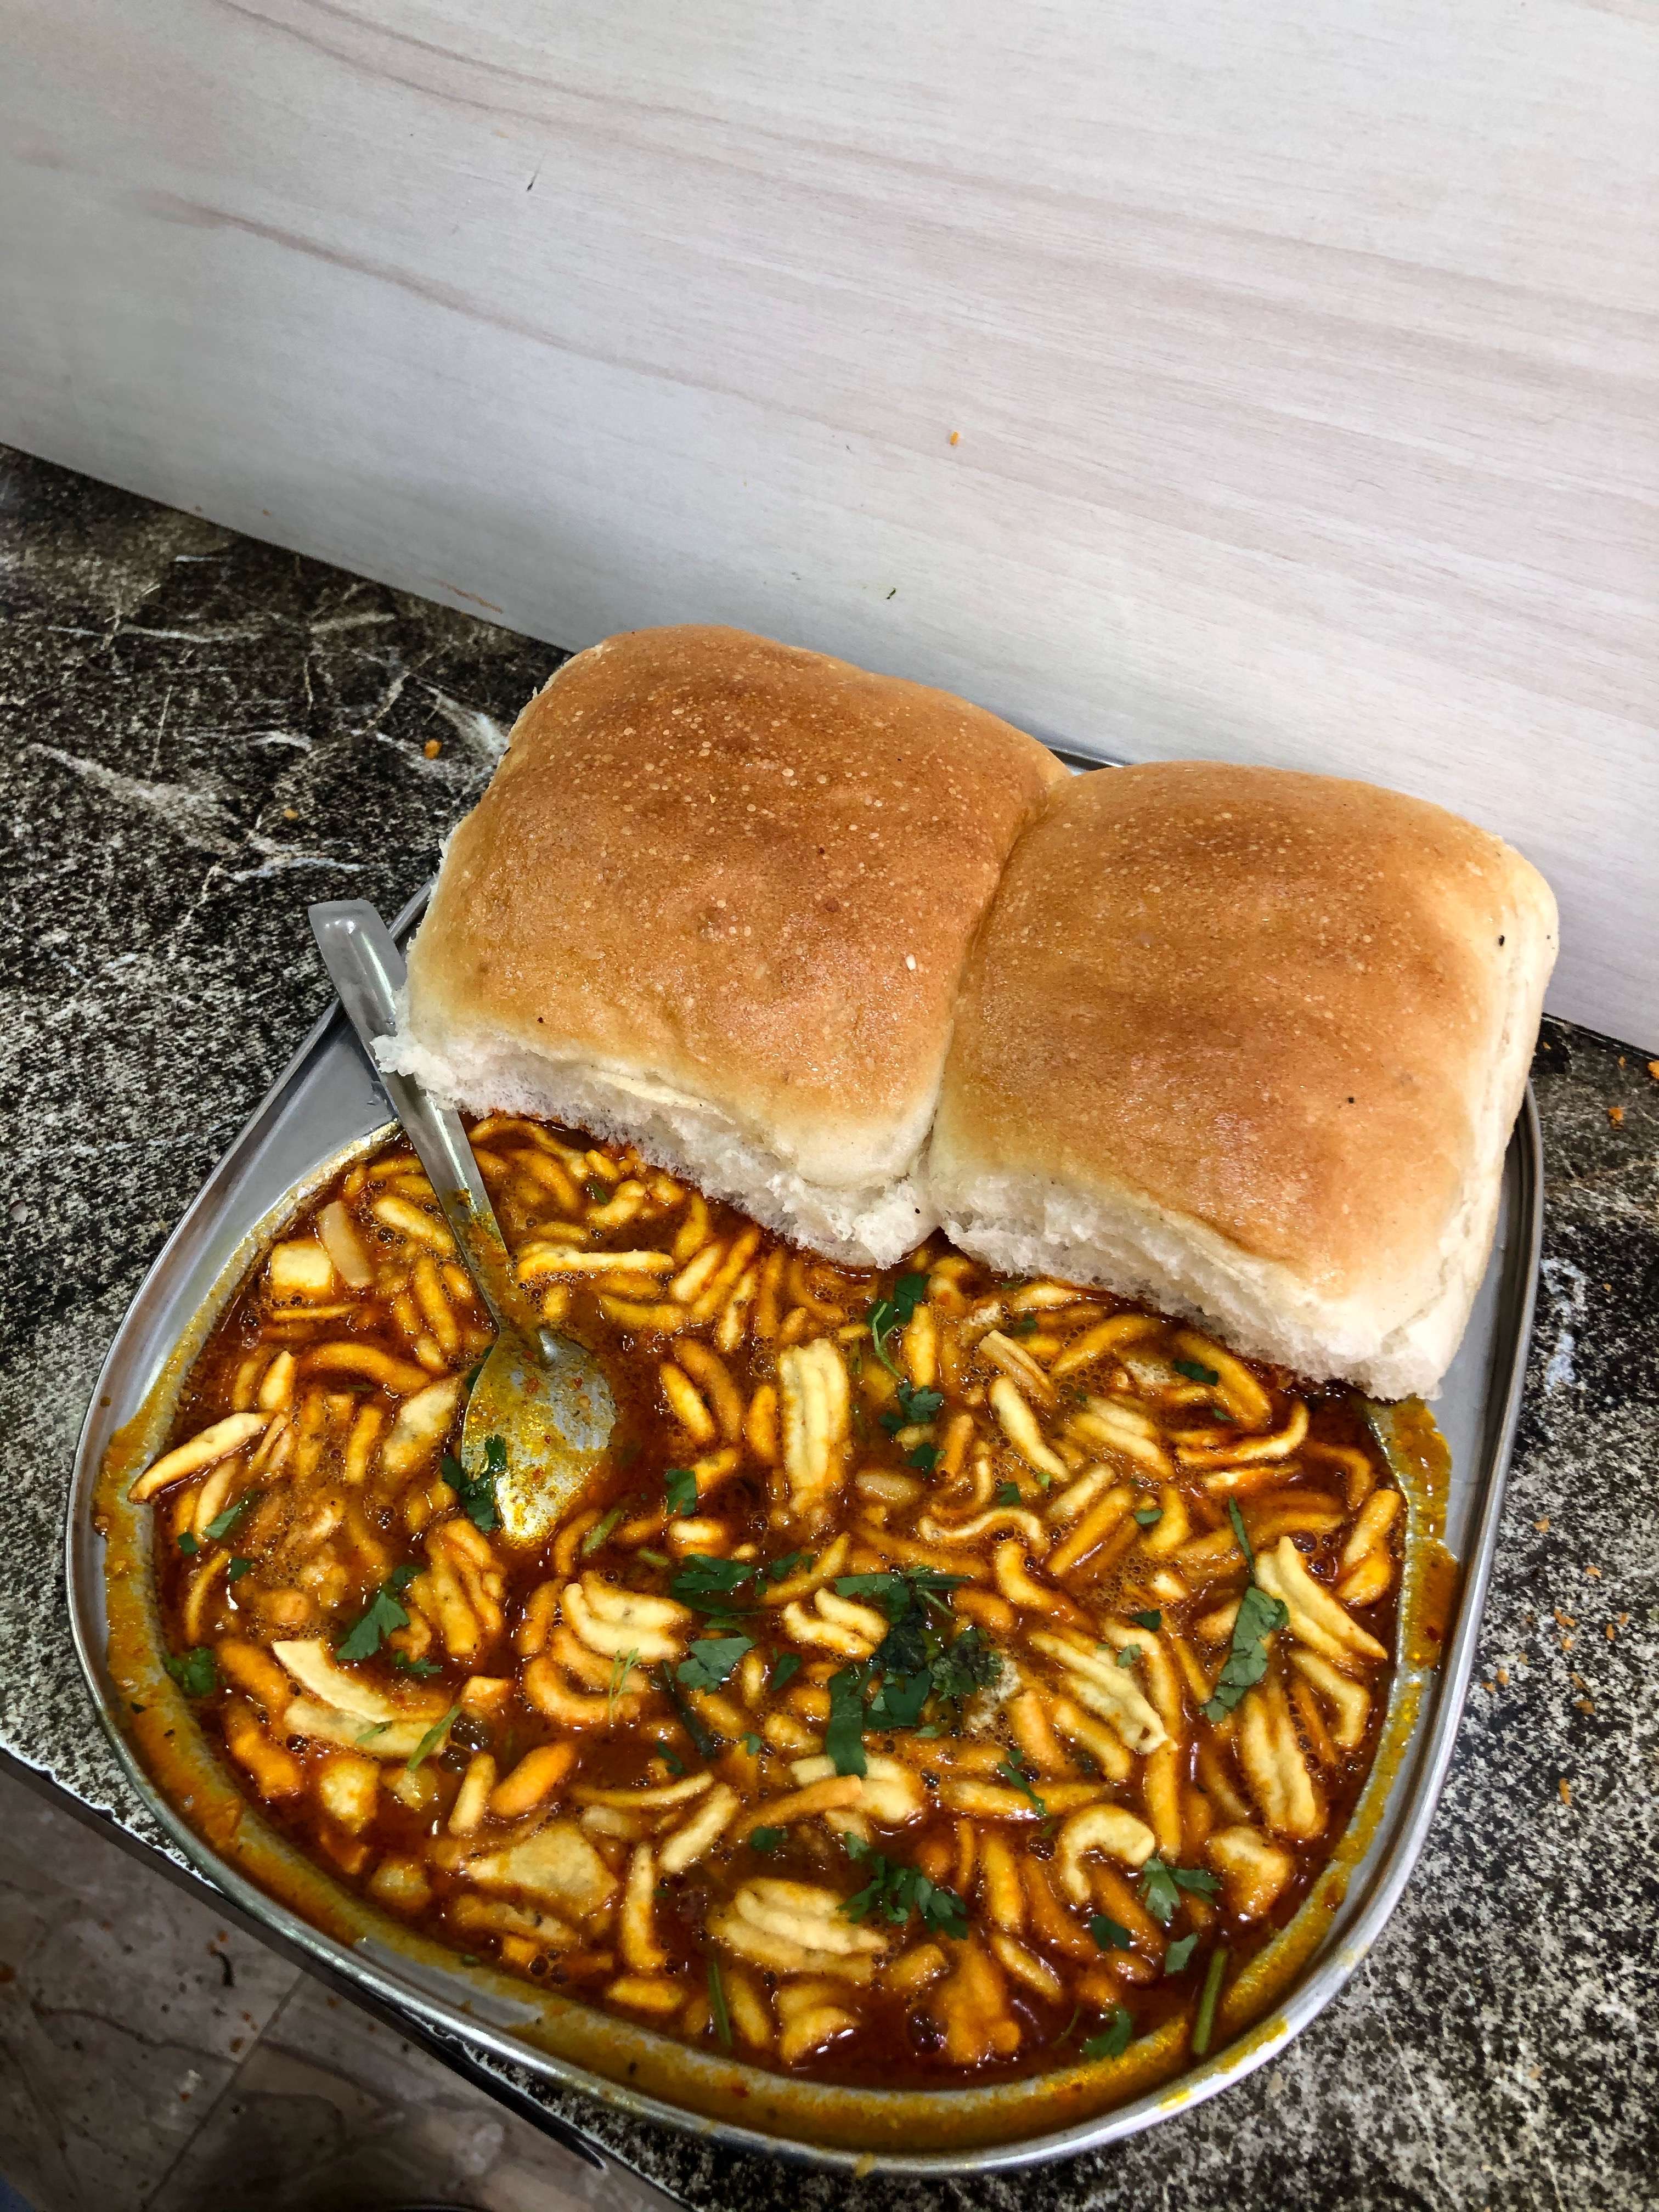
201,736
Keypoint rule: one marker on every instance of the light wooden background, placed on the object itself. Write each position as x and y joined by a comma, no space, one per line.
1301,352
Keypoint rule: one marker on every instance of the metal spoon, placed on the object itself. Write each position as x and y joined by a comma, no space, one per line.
542,1395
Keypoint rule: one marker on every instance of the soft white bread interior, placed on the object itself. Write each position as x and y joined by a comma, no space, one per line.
1248,1044
718,900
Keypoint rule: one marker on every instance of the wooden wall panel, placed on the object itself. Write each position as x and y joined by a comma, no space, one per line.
1302,354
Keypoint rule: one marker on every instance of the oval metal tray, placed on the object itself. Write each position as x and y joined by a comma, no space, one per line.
326,1101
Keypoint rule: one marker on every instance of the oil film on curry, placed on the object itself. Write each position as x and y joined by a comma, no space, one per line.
957,1671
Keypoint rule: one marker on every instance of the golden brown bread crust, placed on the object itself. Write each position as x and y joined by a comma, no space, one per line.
745,872
1284,1014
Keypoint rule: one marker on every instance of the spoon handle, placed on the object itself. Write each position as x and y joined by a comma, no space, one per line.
367,970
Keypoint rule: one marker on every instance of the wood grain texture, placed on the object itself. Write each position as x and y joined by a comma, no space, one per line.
1304,357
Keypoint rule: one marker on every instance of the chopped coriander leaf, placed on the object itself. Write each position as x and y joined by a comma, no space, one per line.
899,1699
1157,1890
1013,1772
1204,2026
895,1891
1259,1617
188,1545
765,1839
619,1672
914,1408
722,2019
1008,1493
1111,1934
197,1673
1129,1654
672,1761
1195,1372
651,1559
1149,1516
1161,1887
477,1491
1152,1621
433,1738
843,1737
364,1638
422,1667
1195,1878
597,1191
237,1569
779,1570
924,1457
711,1659
1115,2039
681,1485
890,1313
900,1589
707,1585
222,1523
1025,1326
600,1532
785,1667
752,1744
703,1742
1175,1957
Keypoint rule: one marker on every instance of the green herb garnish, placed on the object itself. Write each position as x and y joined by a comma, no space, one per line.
197,1673
364,1638
765,1839
600,1530
434,1736
717,2002
1194,1372
785,1667
619,1671
1012,1770
894,1312
1008,1493
915,1408
703,1742
843,1739
222,1523
1161,1887
476,1492
681,1485
1111,1934
752,1744
1152,1621
1148,1516
711,1660
651,1559
188,1545
1116,2038
1178,1954
420,1668
1258,1618
236,1570
1129,1654
895,1891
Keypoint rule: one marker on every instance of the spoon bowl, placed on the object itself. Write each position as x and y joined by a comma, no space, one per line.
541,1414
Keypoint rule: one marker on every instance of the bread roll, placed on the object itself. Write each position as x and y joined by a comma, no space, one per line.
1248,1044
718,900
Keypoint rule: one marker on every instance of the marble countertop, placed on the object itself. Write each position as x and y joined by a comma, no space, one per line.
202,735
